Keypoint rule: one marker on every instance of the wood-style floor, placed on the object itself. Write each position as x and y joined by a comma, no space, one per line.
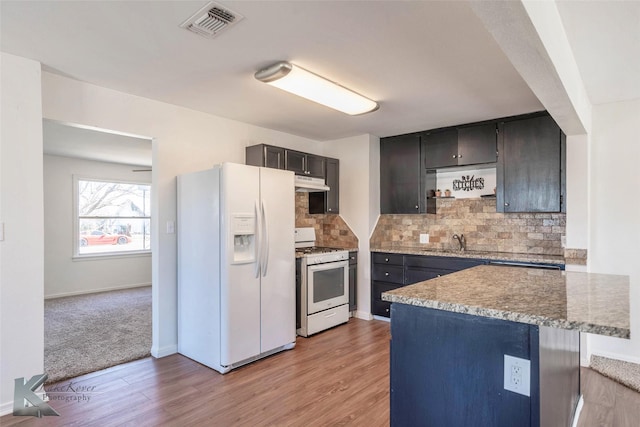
607,403
338,377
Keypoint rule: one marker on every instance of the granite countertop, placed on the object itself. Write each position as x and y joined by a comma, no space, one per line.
594,303
497,256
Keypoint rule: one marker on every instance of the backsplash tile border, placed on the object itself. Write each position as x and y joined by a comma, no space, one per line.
331,230
483,227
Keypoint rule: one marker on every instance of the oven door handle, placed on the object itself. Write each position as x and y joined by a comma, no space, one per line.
265,241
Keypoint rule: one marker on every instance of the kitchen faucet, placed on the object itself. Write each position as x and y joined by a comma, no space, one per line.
461,240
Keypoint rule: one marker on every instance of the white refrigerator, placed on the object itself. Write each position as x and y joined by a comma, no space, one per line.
236,264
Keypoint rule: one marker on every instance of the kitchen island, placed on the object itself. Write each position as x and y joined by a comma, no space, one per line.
497,346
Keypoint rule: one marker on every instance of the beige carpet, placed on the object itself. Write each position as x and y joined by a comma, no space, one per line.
625,373
86,333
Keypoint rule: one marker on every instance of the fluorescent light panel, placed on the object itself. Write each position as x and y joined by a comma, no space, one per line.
306,84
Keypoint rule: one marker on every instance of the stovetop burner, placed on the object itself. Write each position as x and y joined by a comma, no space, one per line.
317,250
314,250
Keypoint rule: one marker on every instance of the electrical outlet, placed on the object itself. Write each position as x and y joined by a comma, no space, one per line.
517,375
563,241
424,238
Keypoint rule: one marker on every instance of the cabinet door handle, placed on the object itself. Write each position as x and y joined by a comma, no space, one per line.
506,204
386,260
417,207
454,156
386,309
439,275
386,273
329,209
459,156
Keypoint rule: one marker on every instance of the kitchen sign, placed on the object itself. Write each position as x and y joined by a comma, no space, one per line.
468,183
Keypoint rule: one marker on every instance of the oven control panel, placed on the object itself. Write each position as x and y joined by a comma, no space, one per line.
326,257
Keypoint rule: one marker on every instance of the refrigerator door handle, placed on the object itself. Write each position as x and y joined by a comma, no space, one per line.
265,241
258,238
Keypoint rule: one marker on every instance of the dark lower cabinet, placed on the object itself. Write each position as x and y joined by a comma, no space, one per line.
387,273
530,166
353,281
447,369
390,271
298,291
424,267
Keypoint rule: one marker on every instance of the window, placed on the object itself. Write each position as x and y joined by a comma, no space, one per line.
112,217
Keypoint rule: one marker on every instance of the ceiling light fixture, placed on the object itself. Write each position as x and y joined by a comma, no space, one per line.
306,84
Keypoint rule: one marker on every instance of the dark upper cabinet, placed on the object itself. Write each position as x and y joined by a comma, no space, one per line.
441,148
400,175
333,181
295,161
477,144
265,156
469,145
315,165
530,175
327,201
304,163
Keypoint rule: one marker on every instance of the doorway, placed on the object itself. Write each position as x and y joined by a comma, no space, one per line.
97,238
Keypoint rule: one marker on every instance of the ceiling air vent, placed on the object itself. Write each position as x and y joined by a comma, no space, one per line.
211,20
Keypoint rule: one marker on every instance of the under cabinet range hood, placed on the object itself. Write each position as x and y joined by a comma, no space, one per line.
308,184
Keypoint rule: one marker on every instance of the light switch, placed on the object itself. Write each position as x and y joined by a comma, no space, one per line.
424,238
171,227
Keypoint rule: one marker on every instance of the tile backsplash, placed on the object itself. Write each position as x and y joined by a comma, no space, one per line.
483,227
331,230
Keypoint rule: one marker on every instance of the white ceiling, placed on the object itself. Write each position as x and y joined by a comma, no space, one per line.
428,63
62,139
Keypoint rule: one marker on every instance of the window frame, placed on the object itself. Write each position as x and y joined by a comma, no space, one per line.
76,255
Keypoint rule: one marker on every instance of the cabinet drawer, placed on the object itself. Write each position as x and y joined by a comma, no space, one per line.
384,258
388,273
380,308
415,275
442,263
379,287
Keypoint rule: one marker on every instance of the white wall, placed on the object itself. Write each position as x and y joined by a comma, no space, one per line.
358,203
62,274
614,229
577,192
21,212
183,141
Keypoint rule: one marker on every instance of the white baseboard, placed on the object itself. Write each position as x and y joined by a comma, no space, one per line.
616,356
364,315
6,408
576,415
94,291
164,351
